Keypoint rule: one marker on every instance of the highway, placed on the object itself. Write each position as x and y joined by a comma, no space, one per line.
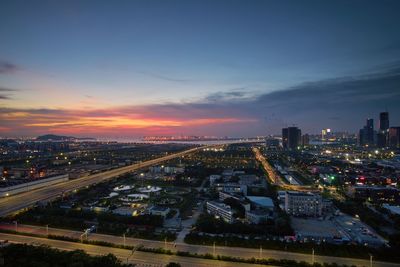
12,204
219,250
140,258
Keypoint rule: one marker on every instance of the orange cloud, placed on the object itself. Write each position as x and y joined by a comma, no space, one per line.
131,120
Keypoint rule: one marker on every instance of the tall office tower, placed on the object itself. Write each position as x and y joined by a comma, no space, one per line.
382,139
366,136
394,137
285,135
383,134
305,140
370,131
384,121
291,137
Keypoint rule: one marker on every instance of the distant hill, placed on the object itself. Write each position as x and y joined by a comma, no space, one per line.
53,137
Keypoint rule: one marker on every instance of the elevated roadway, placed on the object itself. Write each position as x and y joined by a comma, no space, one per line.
15,203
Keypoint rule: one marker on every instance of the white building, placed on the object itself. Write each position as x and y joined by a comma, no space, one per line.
221,210
303,203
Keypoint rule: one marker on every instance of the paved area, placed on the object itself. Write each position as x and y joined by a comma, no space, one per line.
126,256
219,250
359,231
312,227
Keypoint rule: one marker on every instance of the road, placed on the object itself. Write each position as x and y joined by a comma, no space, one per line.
273,177
140,258
12,204
219,250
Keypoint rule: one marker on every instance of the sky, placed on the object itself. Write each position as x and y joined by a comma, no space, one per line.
219,68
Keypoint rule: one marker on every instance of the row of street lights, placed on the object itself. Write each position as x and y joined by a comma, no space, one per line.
165,245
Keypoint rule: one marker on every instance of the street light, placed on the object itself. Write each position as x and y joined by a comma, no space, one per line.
214,249
313,257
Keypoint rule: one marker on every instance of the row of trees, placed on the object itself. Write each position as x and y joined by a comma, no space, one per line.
279,227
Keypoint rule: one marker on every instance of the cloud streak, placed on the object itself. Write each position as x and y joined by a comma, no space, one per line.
341,103
5,93
163,77
8,68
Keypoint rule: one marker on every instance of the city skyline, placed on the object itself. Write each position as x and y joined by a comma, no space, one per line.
184,68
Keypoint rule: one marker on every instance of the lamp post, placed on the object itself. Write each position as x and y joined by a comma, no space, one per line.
313,256
47,230
214,249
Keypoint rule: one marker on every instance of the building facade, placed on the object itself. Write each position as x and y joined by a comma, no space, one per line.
303,204
221,210
291,138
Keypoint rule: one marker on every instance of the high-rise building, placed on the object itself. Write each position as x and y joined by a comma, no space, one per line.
325,134
384,121
394,137
383,134
382,139
305,140
291,137
366,135
285,135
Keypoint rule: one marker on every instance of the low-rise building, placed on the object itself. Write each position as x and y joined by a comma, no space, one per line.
392,209
223,195
221,210
213,178
231,188
303,203
262,202
159,210
248,179
258,216
375,193
126,211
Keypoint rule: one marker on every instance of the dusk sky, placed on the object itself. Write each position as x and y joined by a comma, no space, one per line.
222,68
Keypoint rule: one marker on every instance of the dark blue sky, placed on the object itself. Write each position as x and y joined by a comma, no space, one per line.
259,65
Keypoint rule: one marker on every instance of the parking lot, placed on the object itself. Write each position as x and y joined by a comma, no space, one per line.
339,228
359,231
